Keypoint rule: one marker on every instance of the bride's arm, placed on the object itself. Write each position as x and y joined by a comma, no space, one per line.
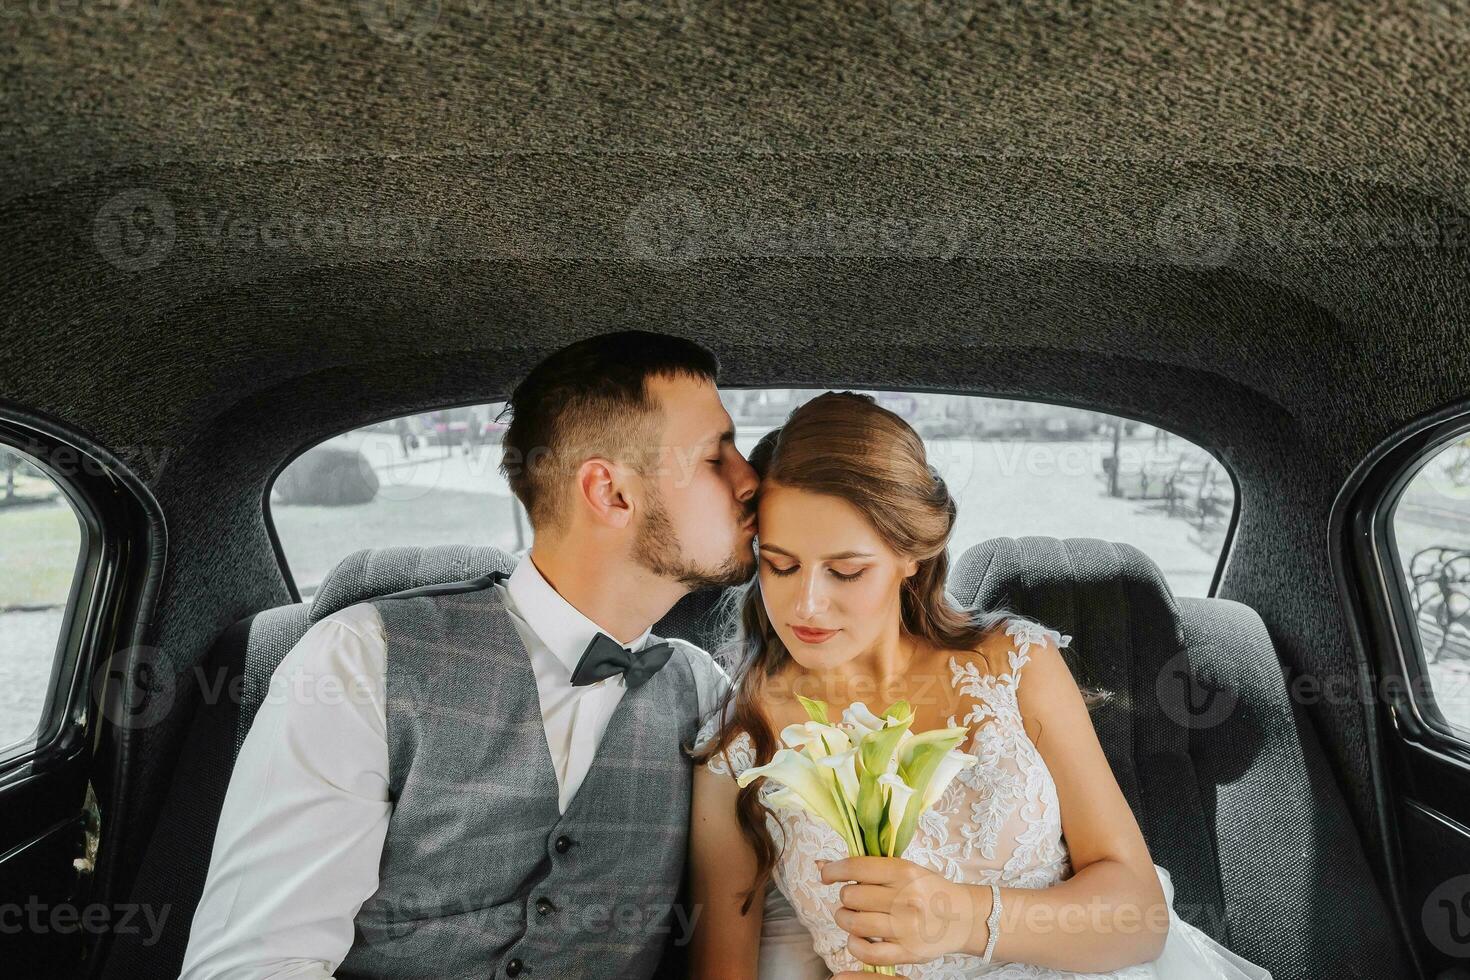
726,944
1109,915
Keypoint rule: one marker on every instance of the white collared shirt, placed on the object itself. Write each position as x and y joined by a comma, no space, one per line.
301,831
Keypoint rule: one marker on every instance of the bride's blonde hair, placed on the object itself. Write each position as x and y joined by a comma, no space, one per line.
844,445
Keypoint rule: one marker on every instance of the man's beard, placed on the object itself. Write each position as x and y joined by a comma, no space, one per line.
657,549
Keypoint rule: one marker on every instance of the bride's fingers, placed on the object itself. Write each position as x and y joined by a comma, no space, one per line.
876,954
866,898
869,924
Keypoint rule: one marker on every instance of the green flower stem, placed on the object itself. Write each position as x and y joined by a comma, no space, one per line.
886,971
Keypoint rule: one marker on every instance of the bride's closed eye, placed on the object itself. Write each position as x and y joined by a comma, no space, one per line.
791,570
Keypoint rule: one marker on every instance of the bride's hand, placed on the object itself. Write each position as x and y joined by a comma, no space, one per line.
915,914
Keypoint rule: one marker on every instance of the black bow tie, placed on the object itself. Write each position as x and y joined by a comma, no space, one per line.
605,657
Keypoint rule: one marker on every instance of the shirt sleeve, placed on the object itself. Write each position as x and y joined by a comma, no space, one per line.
710,680
301,832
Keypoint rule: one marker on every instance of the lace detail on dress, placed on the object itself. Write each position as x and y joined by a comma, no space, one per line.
1014,797
740,753
999,821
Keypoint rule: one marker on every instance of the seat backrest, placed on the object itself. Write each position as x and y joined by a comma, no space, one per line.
1233,794
376,572
1222,769
176,865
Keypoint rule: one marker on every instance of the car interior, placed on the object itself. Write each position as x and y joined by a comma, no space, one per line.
236,233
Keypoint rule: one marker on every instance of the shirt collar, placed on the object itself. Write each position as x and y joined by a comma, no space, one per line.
555,621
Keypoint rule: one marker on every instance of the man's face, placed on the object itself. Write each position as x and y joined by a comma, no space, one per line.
698,521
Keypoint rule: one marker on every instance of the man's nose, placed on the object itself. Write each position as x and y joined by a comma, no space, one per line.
746,480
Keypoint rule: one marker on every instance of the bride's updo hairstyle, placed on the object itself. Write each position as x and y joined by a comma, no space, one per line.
845,445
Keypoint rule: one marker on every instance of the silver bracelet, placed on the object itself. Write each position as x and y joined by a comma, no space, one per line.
992,923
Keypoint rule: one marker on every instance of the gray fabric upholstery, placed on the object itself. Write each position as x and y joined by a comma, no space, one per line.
375,572
272,635
1243,813
1235,800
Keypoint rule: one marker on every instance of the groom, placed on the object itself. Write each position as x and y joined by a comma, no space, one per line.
516,803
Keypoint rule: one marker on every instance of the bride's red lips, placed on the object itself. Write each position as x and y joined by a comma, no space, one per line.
812,636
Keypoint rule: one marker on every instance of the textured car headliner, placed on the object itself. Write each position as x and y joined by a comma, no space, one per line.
1247,224
1226,190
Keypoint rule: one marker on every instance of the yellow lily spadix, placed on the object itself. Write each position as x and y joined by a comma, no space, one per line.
867,777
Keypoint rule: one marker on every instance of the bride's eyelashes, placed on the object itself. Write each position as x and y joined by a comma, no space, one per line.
783,572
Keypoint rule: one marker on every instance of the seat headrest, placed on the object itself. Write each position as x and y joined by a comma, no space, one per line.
375,572
1085,587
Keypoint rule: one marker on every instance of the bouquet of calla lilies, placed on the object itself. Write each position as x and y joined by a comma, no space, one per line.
868,777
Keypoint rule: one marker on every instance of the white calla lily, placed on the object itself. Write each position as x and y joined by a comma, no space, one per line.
909,746
787,799
862,720
949,767
845,765
817,739
897,798
815,785
830,771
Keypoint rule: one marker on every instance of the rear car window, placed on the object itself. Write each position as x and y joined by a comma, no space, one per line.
1014,468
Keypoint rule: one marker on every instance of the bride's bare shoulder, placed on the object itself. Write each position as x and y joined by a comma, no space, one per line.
989,653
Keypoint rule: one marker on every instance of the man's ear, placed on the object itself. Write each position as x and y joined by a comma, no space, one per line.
601,490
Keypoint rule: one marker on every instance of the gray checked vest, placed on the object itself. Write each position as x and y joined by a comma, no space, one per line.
480,875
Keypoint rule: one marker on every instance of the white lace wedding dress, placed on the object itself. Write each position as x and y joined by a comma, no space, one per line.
999,821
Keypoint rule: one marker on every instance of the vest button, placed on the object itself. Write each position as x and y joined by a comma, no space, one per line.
563,844
544,906
513,968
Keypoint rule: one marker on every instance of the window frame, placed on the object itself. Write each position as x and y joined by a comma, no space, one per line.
1385,476
88,621
70,637
78,745
1222,561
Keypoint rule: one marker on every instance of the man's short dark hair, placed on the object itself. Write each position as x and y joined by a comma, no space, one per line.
589,399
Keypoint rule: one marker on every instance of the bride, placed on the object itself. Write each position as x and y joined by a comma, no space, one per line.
1029,865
